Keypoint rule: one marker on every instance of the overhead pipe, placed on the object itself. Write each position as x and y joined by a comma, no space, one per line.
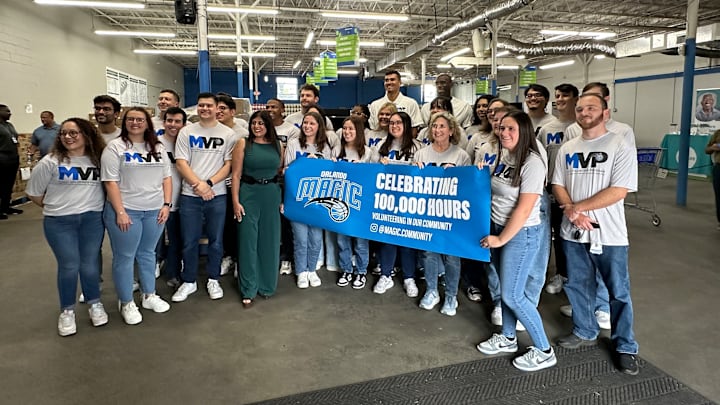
491,13
558,48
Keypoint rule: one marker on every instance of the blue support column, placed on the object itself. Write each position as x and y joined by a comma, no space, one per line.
240,83
203,52
204,70
687,101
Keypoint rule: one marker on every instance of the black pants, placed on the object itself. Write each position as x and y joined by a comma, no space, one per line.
716,188
8,172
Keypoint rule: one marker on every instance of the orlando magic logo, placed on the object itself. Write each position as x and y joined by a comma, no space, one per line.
338,209
332,191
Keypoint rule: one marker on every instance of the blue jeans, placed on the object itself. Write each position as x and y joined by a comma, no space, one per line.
516,260
581,290
172,252
434,264
306,240
536,278
329,249
194,211
75,240
408,258
137,244
345,244
493,280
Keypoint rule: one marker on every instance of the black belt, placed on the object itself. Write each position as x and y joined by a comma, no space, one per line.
253,180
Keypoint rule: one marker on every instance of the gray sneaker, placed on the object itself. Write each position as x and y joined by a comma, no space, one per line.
498,343
535,359
572,341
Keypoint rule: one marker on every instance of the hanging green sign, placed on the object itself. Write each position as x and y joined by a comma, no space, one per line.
528,76
482,86
328,63
318,74
347,46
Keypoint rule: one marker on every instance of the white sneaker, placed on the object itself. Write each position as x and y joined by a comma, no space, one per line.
302,280
385,283
214,290
603,319
555,285
155,303
496,316
566,310
184,291
81,299
225,265
66,323
313,279
319,265
98,316
498,343
285,267
130,313
410,287
519,327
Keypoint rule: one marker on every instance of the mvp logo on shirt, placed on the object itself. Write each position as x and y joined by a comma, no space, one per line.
577,160
78,173
149,157
202,142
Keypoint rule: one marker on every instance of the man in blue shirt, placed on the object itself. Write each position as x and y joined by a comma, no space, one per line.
43,138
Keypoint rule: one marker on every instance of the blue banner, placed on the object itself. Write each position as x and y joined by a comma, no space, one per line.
439,210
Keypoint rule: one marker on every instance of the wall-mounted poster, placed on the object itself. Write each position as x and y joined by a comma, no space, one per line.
129,90
707,108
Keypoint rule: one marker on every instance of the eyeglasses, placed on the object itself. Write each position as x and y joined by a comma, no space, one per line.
358,113
103,109
135,119
396,123
72,133
534,95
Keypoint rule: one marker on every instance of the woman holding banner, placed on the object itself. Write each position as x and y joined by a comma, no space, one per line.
398,148
517,186
443,151
312,143
354,150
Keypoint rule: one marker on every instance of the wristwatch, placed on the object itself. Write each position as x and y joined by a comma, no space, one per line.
209,182
169,205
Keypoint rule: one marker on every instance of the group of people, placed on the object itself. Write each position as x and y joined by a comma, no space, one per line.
569,174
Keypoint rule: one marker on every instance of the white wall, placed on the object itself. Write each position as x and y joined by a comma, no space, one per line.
50,58
648,106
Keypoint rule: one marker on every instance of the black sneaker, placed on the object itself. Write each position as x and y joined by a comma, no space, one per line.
628,364
359,282
572,341
344,279
13,211
376,270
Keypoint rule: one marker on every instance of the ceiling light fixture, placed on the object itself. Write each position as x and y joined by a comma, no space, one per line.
502,53
508,67
347,72
248,54
91,4
356,15
521,57
295,66
146,34
454,54
243,10
558,64
185,52
308,39
444,66
598,57
363,44
249,37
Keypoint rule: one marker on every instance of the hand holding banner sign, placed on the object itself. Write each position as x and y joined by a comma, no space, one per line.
439,210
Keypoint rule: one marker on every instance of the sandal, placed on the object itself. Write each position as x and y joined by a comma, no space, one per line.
247,302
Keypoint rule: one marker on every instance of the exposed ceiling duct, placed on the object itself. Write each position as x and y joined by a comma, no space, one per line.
497,11
558,48
491,13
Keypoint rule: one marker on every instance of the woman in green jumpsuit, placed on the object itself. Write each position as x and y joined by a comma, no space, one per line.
256,197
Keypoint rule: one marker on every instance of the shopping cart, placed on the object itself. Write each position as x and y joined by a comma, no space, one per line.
648,171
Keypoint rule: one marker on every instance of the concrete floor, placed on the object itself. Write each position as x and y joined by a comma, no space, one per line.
204,351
